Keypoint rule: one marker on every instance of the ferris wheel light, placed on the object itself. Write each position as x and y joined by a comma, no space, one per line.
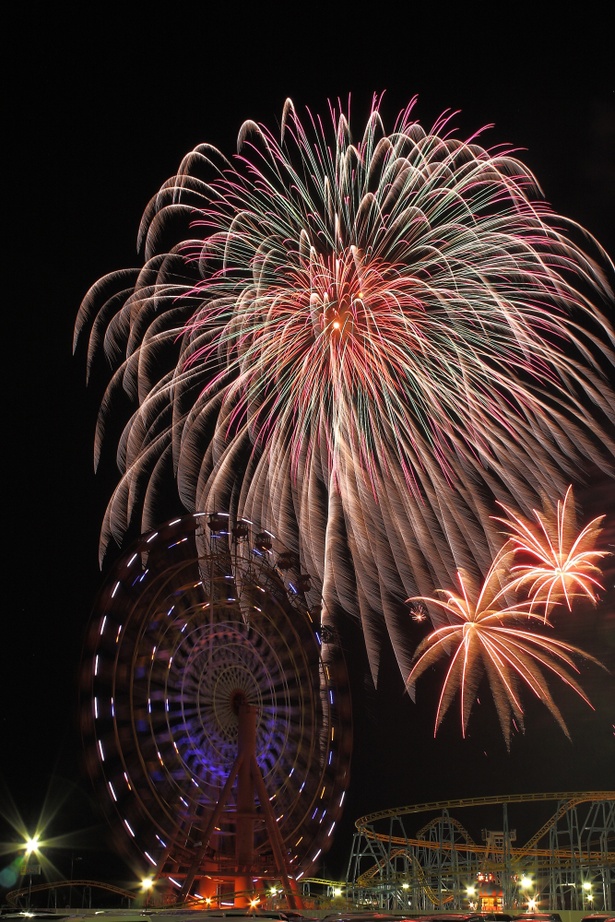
587,885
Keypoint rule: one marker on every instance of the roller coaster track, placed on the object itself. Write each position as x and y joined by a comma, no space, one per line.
451,821
368,875
402,845
13,897
567,802
325,883
364,879
473,848
574,798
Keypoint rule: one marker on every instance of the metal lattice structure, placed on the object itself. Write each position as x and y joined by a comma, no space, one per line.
568,863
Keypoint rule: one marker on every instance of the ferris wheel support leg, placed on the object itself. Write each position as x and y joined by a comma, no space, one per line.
246,812
208,832
249,778
246,747
290,884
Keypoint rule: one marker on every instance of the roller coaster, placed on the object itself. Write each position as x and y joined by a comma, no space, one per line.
568,862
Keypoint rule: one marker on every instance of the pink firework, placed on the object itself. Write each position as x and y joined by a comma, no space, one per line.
358,341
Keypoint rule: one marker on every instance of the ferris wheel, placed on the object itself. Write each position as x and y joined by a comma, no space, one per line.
216,709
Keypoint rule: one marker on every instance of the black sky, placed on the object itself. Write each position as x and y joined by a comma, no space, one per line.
100,107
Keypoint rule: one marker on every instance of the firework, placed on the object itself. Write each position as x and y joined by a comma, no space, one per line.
488,635
559,562
358,343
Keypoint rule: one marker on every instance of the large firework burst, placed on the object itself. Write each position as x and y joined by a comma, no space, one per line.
359,344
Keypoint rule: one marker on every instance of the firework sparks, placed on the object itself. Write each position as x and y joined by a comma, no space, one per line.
485,638
559,561
356,343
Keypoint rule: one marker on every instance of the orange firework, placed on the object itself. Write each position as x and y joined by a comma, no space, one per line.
559,561
485,638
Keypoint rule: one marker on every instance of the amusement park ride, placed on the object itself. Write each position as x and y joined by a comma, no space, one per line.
217,710
217,721
568,863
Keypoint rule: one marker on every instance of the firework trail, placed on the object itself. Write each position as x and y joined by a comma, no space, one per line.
362,344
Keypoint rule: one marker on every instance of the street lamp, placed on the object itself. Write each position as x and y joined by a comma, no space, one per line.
526,885
31,847
147,885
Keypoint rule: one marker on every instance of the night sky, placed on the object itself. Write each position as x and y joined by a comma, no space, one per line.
100,108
